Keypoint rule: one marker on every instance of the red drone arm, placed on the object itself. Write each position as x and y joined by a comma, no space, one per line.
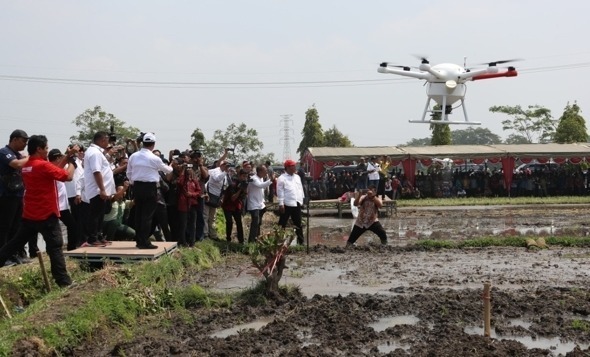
510,73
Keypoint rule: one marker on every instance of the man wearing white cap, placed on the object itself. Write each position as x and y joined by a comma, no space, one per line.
290,195
143,172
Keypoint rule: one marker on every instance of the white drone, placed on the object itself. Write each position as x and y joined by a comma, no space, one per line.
446,85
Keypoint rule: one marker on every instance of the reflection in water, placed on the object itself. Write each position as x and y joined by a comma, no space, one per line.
256,325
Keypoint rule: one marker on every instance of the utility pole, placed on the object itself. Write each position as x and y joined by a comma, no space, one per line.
286,135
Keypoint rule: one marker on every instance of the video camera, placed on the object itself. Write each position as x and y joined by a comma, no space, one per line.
112,135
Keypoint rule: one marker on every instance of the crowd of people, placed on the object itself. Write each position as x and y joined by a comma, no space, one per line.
108,192
446,182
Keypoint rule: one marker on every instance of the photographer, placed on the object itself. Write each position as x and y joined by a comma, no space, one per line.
233,199
189,191
202,175
258,183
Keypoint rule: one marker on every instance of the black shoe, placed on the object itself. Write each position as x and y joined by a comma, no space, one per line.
9,263
146,246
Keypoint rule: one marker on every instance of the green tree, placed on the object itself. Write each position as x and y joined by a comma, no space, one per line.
312,133
571,127
441,133
334,138
198,141
96,119
243,140
475,136
535,124
516,139
419,142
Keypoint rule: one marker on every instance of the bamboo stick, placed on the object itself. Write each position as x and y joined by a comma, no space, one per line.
5,308
43,271
487,311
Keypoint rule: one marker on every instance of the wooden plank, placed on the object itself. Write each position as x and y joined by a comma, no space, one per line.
121,251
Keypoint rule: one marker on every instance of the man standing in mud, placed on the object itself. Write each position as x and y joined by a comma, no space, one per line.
290,195
367,219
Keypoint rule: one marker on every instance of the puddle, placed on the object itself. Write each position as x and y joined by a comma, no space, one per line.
385,322
256,325
554,344
391,346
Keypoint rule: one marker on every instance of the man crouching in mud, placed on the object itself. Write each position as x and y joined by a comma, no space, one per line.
367,219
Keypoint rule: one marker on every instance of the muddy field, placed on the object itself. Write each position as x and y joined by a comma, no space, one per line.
396,300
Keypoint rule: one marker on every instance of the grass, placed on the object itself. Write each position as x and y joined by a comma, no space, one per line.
519,241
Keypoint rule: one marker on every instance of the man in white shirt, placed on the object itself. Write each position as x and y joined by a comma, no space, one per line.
373,170
143,171
214,190
99,186
256,206
74,191
290,196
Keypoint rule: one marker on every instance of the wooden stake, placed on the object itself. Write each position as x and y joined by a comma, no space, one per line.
43,271
5,308
487,311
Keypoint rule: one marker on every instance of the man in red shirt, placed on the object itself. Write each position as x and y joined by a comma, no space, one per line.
41,208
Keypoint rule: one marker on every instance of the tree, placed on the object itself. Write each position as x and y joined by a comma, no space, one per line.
242,140
419,142
516,139
475,136
441,133
334,138
312,132
535,124
571,127
198,141
95,119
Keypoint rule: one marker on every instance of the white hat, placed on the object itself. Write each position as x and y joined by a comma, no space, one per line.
149,138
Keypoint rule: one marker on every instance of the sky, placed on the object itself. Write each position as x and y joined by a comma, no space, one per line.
171,67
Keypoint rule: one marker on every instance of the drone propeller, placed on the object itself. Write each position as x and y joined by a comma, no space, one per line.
495,63
386,64
423,59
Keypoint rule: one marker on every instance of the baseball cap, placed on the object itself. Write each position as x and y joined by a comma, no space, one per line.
19,134
149,138
288,163
54,154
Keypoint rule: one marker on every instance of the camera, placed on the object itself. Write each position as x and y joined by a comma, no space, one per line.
243,185
188,166
112,135
230,149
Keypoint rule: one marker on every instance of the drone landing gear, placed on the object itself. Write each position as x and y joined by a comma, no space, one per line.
444,111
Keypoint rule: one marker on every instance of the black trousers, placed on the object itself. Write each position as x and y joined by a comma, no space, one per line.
78,218
376,228
51,232
231,216
11,211
295,214
145,195
187,224
161,220
66,218
95,218
255,224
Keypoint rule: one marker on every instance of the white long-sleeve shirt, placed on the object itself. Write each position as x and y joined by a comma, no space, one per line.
216,181
62,196
256,193
95,161
289,190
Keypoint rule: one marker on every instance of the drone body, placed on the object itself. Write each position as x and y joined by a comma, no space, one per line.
446,85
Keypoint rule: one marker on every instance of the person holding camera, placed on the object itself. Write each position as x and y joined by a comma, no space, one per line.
41,209
233,199
189,191
143,170
216,183
256,205
368,216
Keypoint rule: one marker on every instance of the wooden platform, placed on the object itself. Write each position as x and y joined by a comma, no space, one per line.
121,252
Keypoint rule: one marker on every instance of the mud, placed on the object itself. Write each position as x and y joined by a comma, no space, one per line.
395,300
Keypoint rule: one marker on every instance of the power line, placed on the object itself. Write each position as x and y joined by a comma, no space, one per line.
250,85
